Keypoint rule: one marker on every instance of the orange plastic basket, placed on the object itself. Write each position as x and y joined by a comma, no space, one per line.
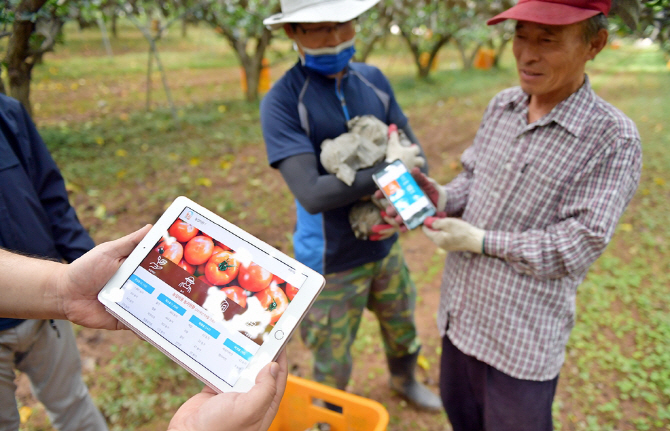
298,411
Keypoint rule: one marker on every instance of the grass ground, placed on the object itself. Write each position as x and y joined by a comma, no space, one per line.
123,165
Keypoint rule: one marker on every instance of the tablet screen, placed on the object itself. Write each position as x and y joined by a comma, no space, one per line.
210,293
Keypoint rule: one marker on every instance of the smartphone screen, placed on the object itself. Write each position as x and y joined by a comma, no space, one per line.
404,193
211,294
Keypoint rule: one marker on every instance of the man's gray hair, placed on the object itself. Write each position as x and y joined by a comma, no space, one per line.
593,25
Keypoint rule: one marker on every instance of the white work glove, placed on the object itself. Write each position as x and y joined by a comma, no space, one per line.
452,234
396,151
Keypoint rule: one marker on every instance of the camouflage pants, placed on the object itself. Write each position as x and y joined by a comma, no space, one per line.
330,327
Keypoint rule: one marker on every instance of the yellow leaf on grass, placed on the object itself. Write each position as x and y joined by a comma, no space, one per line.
422,361
626,227
74,86
121,174
100,212
646,192
660,181
99,140
72,188
121,153
204,182
222,108
225,164
658,127
194,161
24,413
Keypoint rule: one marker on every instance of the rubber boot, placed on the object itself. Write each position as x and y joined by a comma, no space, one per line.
405,384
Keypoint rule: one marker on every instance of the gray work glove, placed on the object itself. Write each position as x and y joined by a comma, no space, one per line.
397,151
453,234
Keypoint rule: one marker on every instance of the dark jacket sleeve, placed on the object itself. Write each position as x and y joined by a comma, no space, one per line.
70,237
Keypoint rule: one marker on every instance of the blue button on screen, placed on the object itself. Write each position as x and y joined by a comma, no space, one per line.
237,349
170,303
143,284
205,327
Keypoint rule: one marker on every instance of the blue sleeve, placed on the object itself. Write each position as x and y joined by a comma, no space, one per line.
69,235
280,123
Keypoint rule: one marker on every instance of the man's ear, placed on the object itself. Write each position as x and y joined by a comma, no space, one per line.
598,43
288,29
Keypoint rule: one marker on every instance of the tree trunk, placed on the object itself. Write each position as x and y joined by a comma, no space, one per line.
424,70
367,49
499,52
18,61
252,64
2,83
115,33
149,84
414,49
253,73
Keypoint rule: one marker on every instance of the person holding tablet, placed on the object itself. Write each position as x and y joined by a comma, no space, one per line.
312,102
43,289
36,218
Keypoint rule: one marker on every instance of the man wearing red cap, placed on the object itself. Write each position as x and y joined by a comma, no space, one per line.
551,170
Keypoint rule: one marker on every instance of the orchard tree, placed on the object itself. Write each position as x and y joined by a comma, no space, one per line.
373,26
240,22
655,22
145,16
426,26
33,28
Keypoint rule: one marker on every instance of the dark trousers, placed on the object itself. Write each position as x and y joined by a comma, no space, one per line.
477,397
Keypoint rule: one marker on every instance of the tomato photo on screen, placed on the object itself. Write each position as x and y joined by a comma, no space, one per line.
182,231
254,277
222,268
187,267
171,250
217,249
291,291
222,245
278,279
204,280
200,269
236,293
274,301
198,250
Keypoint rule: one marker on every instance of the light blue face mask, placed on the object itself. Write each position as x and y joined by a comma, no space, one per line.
329,61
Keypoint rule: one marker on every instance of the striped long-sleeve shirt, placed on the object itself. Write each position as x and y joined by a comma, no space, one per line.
549,195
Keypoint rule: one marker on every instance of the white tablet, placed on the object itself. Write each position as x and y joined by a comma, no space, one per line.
217,300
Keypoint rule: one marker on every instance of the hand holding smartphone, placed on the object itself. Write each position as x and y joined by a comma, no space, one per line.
399,187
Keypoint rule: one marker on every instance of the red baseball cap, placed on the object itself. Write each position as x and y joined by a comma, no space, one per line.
553,12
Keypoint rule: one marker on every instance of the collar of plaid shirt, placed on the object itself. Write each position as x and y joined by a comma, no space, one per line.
549,195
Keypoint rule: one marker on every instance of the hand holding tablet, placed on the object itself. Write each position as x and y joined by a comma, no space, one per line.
217,300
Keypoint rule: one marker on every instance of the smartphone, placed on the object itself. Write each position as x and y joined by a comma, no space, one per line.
215,299
402,191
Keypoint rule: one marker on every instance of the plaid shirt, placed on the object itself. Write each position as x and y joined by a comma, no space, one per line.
549,195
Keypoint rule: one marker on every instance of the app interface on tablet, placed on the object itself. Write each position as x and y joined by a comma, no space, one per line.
211,294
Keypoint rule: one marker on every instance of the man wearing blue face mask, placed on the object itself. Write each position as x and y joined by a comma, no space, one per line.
312,102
